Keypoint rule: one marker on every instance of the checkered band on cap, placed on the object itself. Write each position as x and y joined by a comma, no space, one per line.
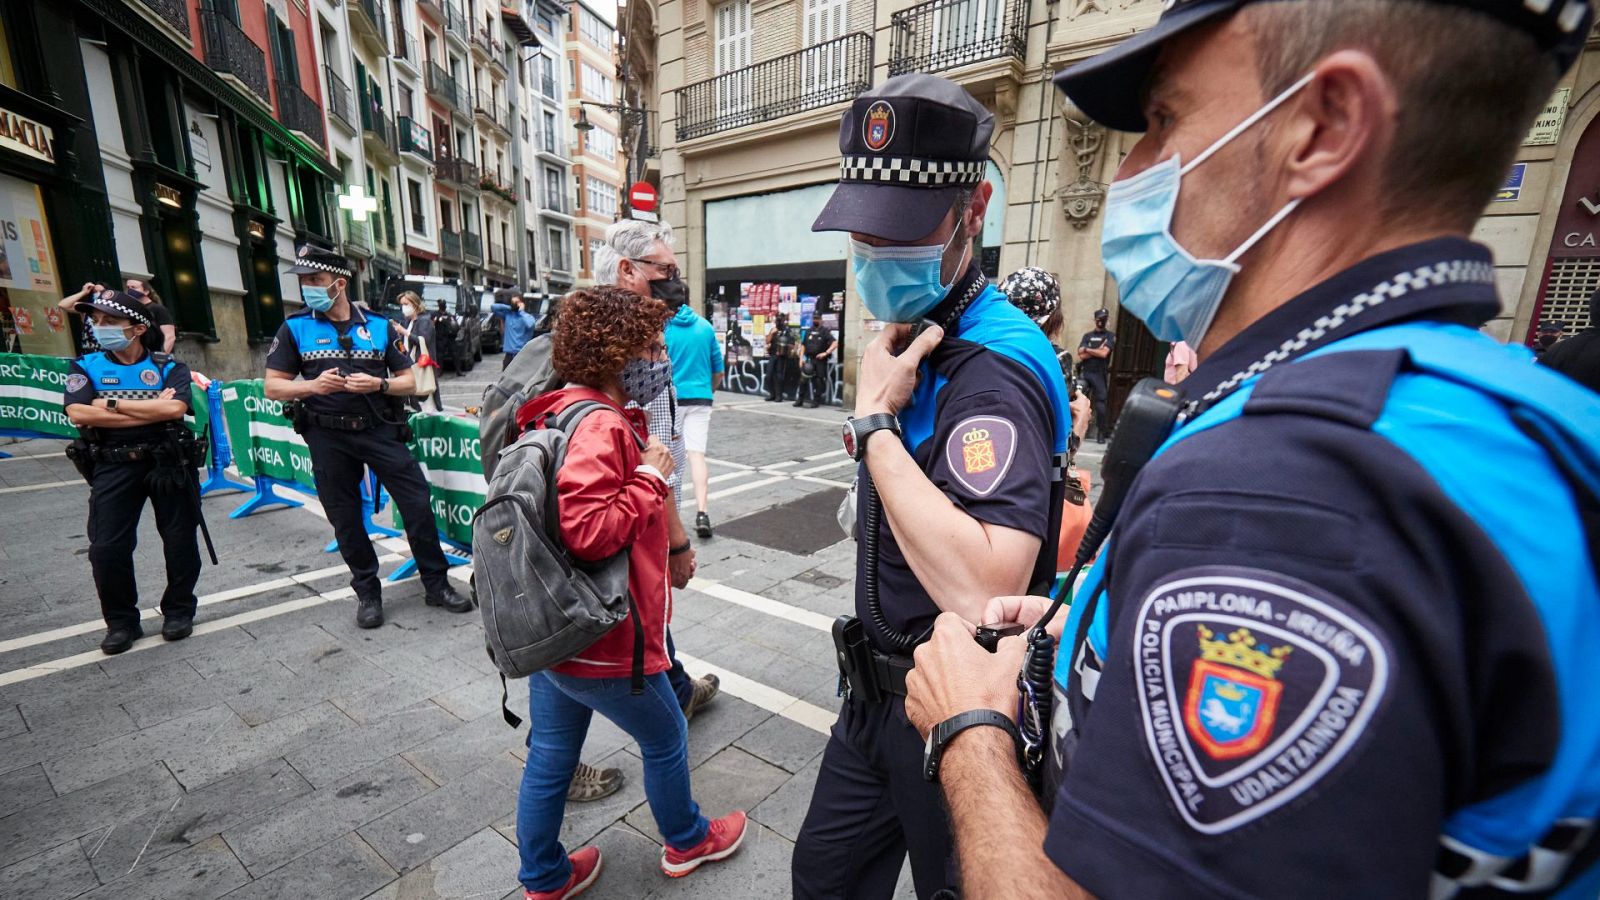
107,302
907,171
335,269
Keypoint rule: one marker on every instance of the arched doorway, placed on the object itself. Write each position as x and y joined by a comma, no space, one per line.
1572,270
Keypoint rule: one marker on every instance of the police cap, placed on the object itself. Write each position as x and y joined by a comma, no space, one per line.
115,303
908,147
310,259
1109,87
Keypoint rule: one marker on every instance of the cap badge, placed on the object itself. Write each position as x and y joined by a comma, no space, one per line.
305,250
108,294
879,126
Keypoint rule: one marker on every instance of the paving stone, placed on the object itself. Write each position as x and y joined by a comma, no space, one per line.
202,872
165,828
759,871
352,749
315,819
465,748
784,810
22,788
582,821
163,653
417,684
482,866
783,743
716,727
98,762
11,721
631,864
346,867
56,874
733,779
73,815
481,696
239,748
421,829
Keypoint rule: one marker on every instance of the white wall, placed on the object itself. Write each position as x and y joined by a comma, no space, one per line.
114,161
219,246
771,229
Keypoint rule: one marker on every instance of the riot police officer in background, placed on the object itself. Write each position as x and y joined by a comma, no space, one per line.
128,402
1094,365
351,364
783,369
1341,642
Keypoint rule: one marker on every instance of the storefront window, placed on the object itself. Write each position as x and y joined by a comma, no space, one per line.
8,74
29,284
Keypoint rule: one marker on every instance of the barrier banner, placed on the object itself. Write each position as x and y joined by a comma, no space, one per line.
263,441
31,396
447,448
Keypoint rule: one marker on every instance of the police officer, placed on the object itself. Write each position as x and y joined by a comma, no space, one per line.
126,400
957,479
1341,642
1094,365
350,364
782,371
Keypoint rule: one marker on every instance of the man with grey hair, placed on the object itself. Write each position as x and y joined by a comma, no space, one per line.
637,256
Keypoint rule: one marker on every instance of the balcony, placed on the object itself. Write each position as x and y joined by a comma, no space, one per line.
173,12
449,244
493,185
405,48
494,114
415,139
231,53
338,98
555,203
377,131
455,25
458,172
442,86
299,113
947,34
433,7
497,256
471,247
368,22
834,72
358,238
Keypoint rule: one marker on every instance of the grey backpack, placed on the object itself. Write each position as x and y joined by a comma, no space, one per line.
530,374
540,605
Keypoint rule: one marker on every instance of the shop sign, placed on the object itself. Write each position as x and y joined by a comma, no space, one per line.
1577,231
21,134
1547,127
1512,188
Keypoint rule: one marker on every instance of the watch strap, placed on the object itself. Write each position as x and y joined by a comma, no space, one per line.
863,428
945,731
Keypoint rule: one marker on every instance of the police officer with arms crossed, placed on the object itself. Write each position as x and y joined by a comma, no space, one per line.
1342,640
350,363
125,399
957,479
1094,364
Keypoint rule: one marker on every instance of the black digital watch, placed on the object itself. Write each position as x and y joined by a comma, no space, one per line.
949,728
857,430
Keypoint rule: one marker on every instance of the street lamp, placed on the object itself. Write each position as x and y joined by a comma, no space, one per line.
633,114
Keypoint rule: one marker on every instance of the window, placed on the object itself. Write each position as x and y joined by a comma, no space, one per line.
602,197
8,74
823,67
601,143
549,135
547,74
553,198
419,213
525,131
281,39
403,99
732,54
594,30
444,216
597,84
594,248
558,249
527,189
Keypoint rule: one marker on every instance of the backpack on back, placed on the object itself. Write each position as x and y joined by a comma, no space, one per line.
530,374
541,606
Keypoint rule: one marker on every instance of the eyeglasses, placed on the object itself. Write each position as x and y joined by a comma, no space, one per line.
668,270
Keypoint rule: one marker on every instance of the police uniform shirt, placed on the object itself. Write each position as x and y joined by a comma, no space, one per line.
988,413
1310,657
1095,340
100,375
308,342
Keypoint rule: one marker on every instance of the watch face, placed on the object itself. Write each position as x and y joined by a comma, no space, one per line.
850,439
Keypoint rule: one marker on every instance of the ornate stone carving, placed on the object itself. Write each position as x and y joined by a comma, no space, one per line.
1077,8
1080,200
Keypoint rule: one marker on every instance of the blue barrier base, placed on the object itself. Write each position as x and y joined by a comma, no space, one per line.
409,567
371,502
4,455
264,497
217,480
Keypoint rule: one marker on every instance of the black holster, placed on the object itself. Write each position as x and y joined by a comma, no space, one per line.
297,414
864,673
81,452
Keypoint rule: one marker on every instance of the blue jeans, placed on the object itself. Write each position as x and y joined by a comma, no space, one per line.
559,707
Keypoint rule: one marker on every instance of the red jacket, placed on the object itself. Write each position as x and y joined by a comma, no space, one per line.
610,500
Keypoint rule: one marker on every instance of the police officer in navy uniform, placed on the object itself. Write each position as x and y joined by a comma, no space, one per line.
350,363
124,399
957,478
1341,642
1094,364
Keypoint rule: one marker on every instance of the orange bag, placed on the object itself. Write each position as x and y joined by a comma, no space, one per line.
1074,522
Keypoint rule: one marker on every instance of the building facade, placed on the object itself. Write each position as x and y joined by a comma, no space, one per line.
546,166
597,161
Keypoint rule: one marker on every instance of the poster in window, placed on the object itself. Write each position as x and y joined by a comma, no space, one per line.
29,287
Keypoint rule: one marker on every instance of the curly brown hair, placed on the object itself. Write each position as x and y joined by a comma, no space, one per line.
600,329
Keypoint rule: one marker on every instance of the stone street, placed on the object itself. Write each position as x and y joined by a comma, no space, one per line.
280,752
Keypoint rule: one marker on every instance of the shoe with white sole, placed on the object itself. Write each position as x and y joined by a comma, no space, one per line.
722,841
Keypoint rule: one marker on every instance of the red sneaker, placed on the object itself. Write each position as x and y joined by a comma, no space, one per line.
722,841
585,869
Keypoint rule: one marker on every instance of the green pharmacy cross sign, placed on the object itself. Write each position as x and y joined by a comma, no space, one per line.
355,200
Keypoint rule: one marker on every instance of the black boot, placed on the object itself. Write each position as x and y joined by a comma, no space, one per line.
369,610
702,525
450,600
176,628
119,639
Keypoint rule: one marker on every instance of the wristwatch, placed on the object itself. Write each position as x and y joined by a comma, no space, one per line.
949,728
111,403
856,432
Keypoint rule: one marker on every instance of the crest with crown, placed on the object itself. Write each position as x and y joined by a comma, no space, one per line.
1240,650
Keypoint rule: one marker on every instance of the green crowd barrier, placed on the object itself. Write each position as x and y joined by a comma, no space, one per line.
263,441
447,448
31,397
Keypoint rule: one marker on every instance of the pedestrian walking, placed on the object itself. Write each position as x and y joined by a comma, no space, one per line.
128,403
696,374
520,326
613,498
350,364
1341,642
418,331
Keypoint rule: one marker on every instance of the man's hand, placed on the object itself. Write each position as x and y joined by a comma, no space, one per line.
884,381
953,674
329,382
1026,610
656,454
167,394
362,383
681,566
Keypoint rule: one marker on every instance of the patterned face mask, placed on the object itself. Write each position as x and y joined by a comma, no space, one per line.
644,379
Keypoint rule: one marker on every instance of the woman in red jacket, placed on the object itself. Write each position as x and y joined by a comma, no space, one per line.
612,496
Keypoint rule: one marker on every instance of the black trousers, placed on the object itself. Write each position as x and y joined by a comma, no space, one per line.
337,461
1094,384
116,500
815,388
870,806
780,376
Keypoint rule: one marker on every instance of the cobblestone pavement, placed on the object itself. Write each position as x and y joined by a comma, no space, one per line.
281,752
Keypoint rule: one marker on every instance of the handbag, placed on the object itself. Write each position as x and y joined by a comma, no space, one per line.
427,381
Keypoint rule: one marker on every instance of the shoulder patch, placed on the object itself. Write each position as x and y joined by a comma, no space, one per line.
273,347
150,376
979,452
77,382
1252,687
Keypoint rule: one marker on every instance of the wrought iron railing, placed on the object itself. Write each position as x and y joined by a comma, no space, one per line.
449,243
497,113
338,96
373,9
358,236
173,12
375,123
471,245
947,34
555,202
299,112
455,23
497,255
414,138
828,73
405,46
229,50
457,171
442,85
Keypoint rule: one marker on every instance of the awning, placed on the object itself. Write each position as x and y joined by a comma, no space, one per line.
519,27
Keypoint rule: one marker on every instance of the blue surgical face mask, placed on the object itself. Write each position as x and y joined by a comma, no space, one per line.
111,337
317,298
1174,293
901,284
